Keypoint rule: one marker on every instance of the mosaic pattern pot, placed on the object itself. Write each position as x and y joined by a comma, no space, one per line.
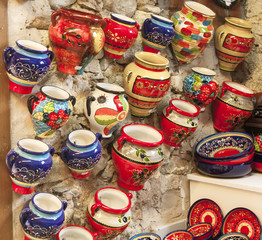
76,38
146,236
193,30
26,65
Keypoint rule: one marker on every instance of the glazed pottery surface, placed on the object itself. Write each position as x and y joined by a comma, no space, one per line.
42,216
120,34
201,231
137,154
26,65
81,152
234,236
178,121
179,235
76,37
201,87
233,107
28,164
193,30
146,236
258,161
233,42
157,33
106,108
50,109
146,82
109,212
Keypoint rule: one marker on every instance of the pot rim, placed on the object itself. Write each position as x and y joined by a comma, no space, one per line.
144,234
21,43
200,8
210,231
66,98
204,71
239,22
21,142
109,88
87,133
246,92
122,18
93,234
178,231
148,57
182,112
162,19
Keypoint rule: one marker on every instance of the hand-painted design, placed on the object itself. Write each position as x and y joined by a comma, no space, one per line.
159,38
180,135
238,44
83,164
29,176
141,176
123,219
71,36
111,234
41,232
236,120
235,98
191,122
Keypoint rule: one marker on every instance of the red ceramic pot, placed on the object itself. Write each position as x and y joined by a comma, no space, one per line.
120,34
76,37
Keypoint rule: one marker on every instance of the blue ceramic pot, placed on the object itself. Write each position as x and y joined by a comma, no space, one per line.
28,164
157,33
234,236
26,65
42,216
146,236
81,152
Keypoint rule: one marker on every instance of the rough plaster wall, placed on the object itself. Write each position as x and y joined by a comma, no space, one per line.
165,198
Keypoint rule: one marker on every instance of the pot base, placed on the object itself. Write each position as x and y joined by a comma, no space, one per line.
128,187
19,88
221,129
112,55
22,190
80,175
172,144
147,48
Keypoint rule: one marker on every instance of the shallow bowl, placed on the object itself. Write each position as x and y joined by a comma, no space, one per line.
146,236
201,231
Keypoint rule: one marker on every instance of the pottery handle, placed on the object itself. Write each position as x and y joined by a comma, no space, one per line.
50,54
24,215
220,35
94,207
30,102
224,88
99,136
169,109
88,104
9,159
63,154
147,21
128,76
130,195
137,26
51,150
64,203
72,99
7,55
55,15
119,141
107,20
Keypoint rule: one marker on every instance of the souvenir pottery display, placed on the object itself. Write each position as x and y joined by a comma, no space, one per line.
106,108
233,107
146,81
28,164
178,121
137,154
201,231
179,235
193,30
157,33
233,42
108,211
26,65
201,87
76,38
50,109
42,216
146,236
120,34
81,152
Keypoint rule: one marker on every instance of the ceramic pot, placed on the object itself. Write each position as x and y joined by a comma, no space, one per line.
157,33
201,231
106,108
108,211
233,42
137,154
146,236
120,34
233,107
28,164
179,235
42,216
76,38
50,109
81,152
26,65
193,30
200,87
178,121
146,82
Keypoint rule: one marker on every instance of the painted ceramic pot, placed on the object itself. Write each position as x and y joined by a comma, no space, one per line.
81,152
120,34
233,42
234,236
26,65
193,30
50,109
42,216
233,107
178,121
28,164
76,38
146,82
137,154
179,235
109,212
200,87
106,108
146,236
201,231
157,33
258,161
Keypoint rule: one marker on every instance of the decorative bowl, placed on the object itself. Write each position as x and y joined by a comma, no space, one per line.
146,236
234,236
201,231
179,235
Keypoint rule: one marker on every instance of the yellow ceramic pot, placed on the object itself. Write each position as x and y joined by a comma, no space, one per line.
233,41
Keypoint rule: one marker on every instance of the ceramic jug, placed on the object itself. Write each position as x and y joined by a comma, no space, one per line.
106,108
50,109
109,212
26,65
137,154
81,152
233,107
120,34
193,30
28,164
146,82
42,216
76,37
178,121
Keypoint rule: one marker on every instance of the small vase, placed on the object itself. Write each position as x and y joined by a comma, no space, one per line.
81,152
28,164
120,34
157,33
26,65
50,109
